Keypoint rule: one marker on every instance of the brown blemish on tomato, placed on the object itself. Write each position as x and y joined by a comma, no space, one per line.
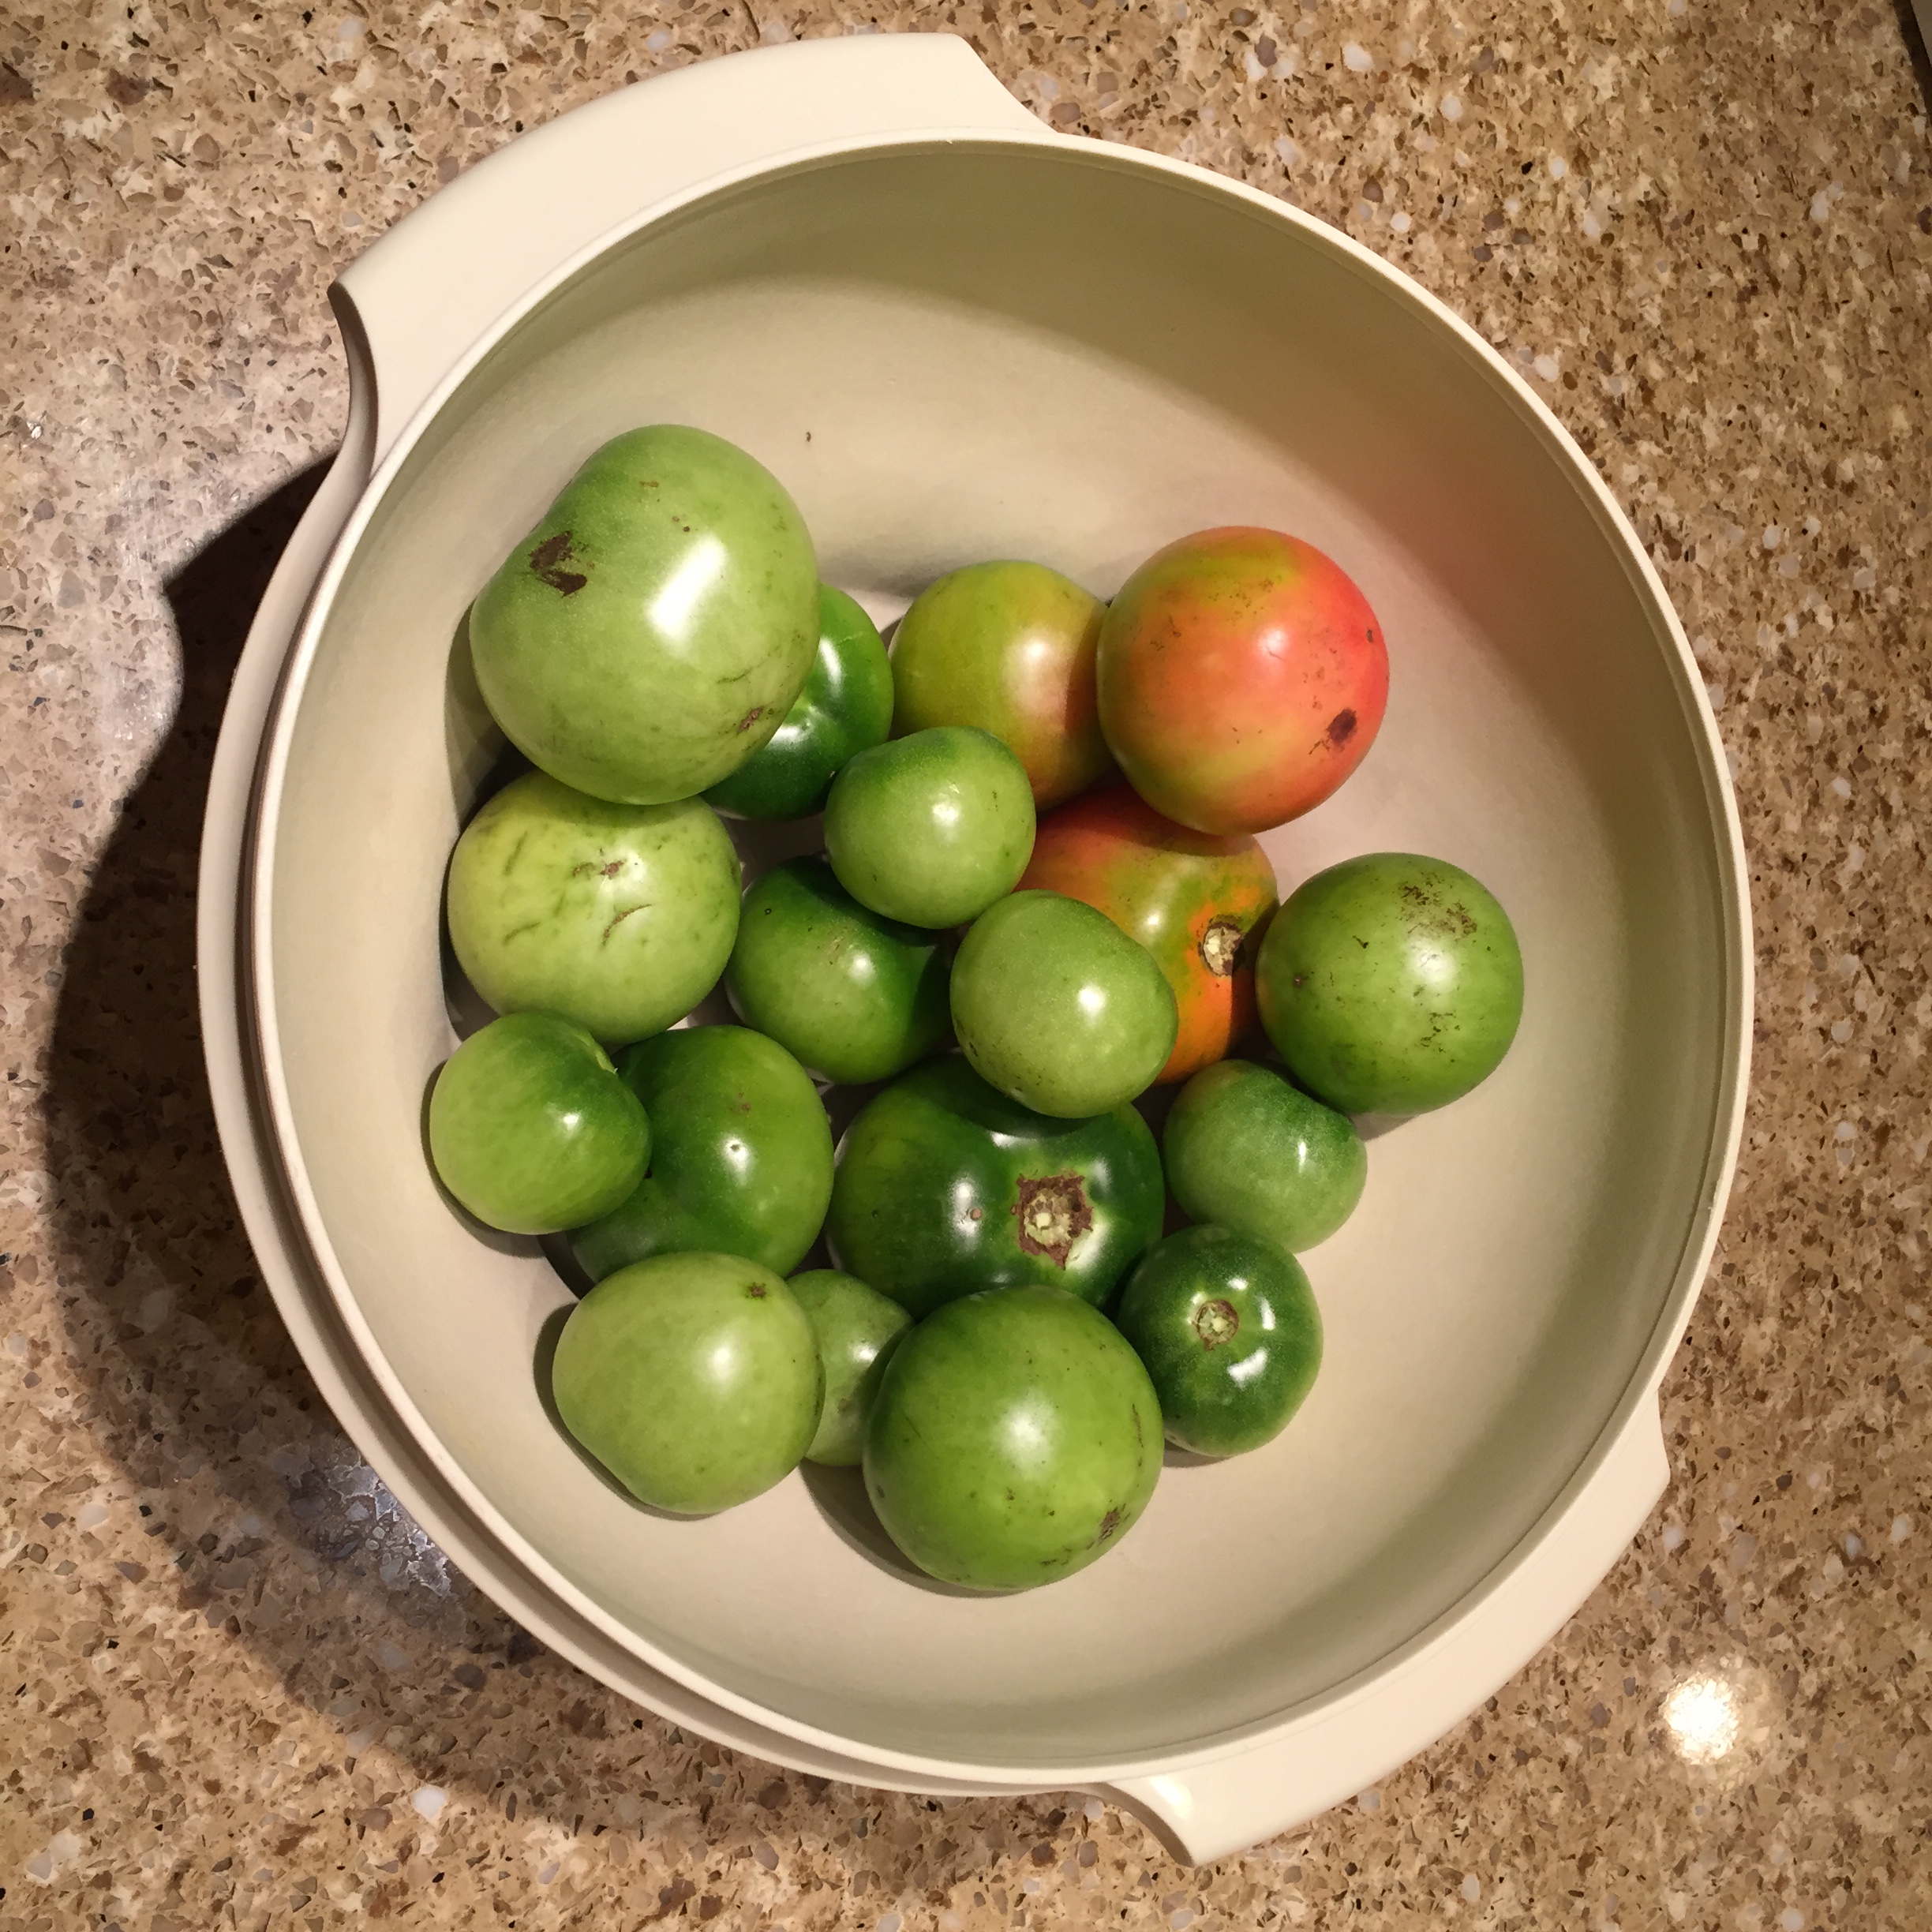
548,560
1341,729
1221,945
1109,1523
756,1290
750,717
1055,1212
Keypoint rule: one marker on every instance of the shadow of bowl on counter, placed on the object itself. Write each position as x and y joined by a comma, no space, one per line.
187,1373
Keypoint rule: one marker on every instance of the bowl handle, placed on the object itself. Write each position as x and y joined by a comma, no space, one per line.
422,294
1212,1810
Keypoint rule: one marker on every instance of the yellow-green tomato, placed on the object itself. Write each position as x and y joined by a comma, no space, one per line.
1392,983
932,828
620,916
531,1128
650,634
693,1378
1057,1008
856,996
1016,1438
856,1327
1008,646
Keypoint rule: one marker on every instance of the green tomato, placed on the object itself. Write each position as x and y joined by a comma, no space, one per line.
856,1327
1391,984
1244,1149
650,634
1016,1438
856,996
1059,1007
621,916
931,829
531,1128
846,707
1009,647
693,1378
1229,1330
741,1159
945,1187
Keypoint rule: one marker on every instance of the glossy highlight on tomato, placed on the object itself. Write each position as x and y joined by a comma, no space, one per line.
1242,676
1199,901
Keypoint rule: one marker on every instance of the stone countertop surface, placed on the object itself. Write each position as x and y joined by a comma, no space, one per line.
239,1687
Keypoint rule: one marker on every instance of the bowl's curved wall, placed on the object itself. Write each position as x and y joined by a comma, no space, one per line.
954,353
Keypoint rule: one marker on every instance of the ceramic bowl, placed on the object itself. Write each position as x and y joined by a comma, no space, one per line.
954,335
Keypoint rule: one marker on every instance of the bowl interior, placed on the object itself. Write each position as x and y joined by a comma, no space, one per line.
955,353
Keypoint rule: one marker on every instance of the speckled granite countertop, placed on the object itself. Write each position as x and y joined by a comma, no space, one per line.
238,1688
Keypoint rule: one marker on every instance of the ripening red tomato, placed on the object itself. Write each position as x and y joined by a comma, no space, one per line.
1241,677
1197,902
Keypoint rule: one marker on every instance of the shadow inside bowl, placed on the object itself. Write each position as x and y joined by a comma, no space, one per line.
840,1495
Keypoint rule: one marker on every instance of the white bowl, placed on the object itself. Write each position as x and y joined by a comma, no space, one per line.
954,335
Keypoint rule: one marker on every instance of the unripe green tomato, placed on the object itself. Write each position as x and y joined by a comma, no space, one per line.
1056,1006
931,829
857,1327
945,1186
620,916
856,996
1391,984
531,1128
1244,1147
741,1154
693,1378
1016,1438
1229,1330
650,634
845,708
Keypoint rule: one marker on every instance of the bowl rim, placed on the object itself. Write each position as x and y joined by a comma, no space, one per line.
255,939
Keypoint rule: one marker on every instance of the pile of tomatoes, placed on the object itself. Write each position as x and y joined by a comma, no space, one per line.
1039,899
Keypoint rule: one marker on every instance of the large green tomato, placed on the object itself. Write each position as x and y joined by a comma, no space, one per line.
620,916
1009,647
856,1327
531,1128
1391,984
693,1378
845,708
931,829
1244,1149
651,632
1059,1007
856,996
945,1187
741,1154
1229,1330
1016,1438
